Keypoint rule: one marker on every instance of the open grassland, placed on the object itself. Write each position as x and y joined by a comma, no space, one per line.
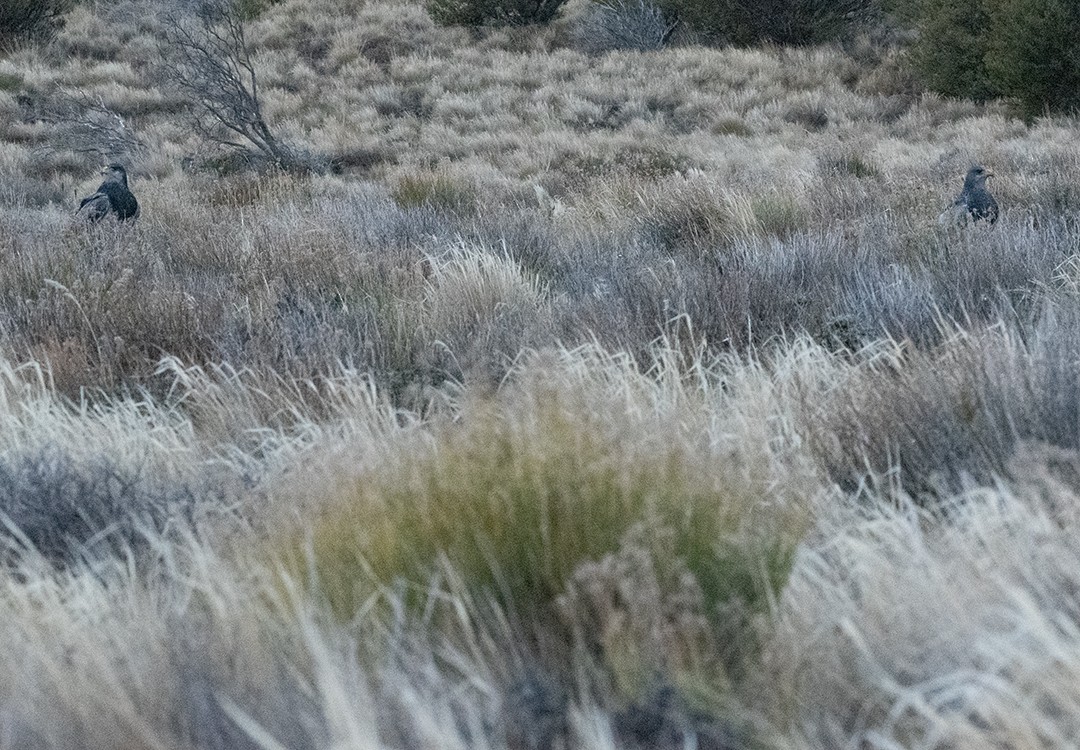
610,401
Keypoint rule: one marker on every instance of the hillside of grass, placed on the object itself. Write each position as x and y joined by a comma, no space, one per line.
552,398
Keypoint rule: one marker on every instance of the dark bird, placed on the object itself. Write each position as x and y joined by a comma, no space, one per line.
112,197
974,200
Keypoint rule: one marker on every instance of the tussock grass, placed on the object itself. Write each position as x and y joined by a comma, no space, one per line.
517,498
954,417
970,623
437,190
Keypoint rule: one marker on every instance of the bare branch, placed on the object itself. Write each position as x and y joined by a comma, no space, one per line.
205,56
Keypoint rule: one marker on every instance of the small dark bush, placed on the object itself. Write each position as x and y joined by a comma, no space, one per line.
812,118
66,509
251,9
493,12
23,20
790,22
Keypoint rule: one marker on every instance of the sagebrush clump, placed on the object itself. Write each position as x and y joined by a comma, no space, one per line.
624,24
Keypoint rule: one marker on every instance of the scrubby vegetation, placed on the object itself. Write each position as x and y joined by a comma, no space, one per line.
1023,49
578,385
27,20
494,12
791,22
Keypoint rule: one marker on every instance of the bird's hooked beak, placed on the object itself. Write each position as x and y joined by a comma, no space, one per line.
105,170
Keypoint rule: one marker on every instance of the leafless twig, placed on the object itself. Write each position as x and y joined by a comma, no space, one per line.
206,57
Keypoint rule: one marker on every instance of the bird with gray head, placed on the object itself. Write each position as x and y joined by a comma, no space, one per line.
112,198
974,202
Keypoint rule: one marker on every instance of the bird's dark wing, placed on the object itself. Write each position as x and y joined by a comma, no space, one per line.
121,200
94,208
126,206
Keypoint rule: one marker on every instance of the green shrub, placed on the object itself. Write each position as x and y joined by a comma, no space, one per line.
949,54
22,20
1032,53
493,12
904,11
623,24
792,22
1023,49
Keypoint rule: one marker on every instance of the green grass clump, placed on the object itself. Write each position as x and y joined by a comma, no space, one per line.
517,504
856,166
732,126
779,215
434,189
10,81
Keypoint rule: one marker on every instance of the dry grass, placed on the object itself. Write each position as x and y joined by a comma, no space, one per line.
586,400
626,609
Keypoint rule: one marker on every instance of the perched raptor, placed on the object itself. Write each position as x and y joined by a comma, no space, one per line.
974,201
112,197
